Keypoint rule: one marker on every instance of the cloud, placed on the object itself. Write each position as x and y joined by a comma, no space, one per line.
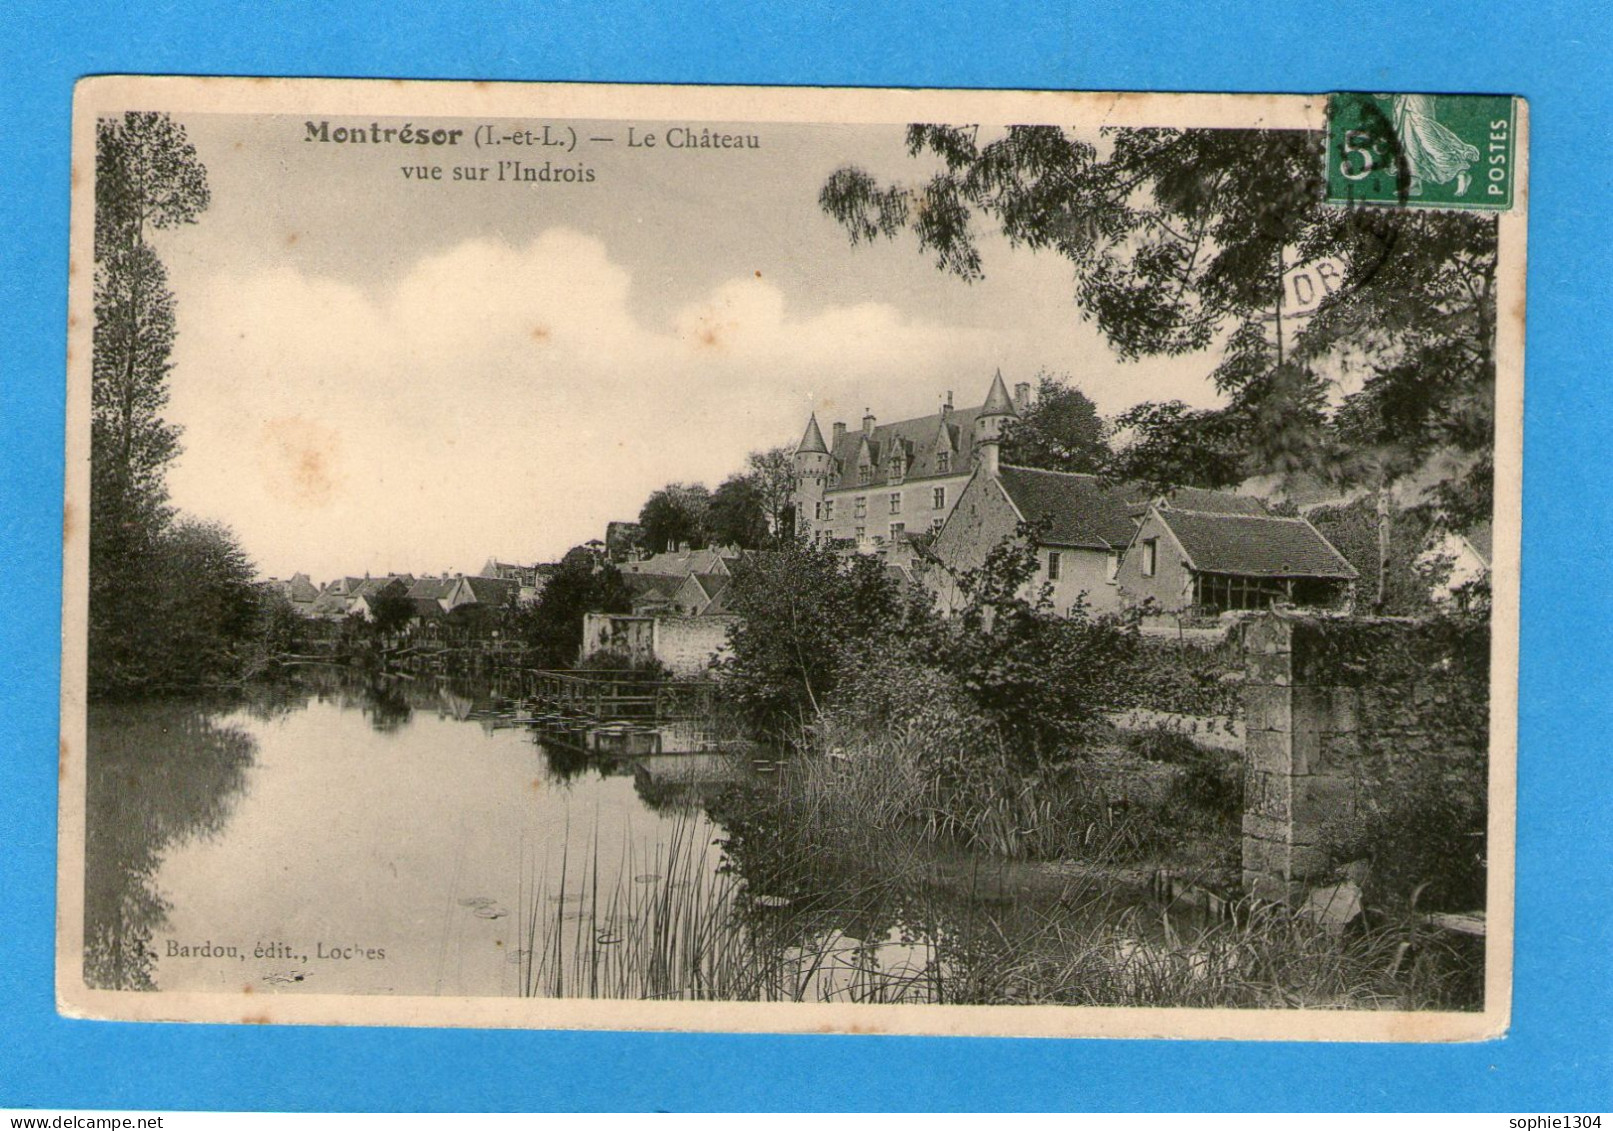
507,399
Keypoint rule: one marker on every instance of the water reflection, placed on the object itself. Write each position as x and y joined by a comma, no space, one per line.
347,833
159,773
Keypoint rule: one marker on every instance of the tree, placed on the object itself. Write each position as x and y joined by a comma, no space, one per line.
391,609
1180,240
1061,431
199,612
552,625
802,613
147,178
736,516
676,513
773,472
1409,579
1039,677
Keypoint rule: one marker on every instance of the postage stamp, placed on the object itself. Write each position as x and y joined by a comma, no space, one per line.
999,563
1441,151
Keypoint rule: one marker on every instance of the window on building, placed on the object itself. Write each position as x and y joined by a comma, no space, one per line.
828,508
1053,565
864,473
897,528
943,462
940,498
896,502
1150,558
860,505
936,524
862,535
817,510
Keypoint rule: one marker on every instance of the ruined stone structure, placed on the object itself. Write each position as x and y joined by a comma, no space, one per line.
1342,713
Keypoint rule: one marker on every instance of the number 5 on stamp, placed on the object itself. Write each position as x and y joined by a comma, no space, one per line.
1427,150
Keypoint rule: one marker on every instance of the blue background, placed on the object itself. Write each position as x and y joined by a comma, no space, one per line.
1557,1054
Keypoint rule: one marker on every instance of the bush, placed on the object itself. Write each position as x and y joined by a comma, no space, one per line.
1424,833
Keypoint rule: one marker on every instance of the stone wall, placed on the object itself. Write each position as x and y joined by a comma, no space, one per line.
684,644
1339,713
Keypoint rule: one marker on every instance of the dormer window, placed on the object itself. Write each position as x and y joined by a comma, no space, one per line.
864,473
943,462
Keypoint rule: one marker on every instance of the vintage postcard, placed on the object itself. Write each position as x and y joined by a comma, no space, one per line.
928,562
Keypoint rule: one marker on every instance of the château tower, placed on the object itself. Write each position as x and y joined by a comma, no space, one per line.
994,417
811,478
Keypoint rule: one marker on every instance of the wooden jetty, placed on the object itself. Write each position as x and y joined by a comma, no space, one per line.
619,714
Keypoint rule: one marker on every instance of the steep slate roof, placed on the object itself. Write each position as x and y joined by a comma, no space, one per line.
917,438
300,589
1251,546
1083,511
998,402
1481,538
812,440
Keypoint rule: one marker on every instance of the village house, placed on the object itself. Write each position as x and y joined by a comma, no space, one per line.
484,593
681,561
1207,563
298,589
530,578
1083,527
364,600
866,489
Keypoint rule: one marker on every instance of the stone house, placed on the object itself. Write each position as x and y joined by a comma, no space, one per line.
867,488
1207,563
1084,527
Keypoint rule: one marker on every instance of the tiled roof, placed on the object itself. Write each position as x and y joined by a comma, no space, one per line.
1213,502
431,588
652,584
673,563
1083,511
493,590
711,584
426,607
1250,546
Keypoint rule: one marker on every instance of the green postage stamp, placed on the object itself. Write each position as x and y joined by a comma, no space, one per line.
1436,150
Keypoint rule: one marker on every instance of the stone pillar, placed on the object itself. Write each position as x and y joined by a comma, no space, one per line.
1298,755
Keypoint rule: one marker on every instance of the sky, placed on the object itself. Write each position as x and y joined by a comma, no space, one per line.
378,374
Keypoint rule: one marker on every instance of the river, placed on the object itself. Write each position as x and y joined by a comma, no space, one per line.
333,834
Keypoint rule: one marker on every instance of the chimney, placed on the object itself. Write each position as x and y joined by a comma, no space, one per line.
868,422
1022,397
946,407
840,432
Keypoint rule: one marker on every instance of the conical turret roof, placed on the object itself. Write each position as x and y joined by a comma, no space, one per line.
812,441
997,401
